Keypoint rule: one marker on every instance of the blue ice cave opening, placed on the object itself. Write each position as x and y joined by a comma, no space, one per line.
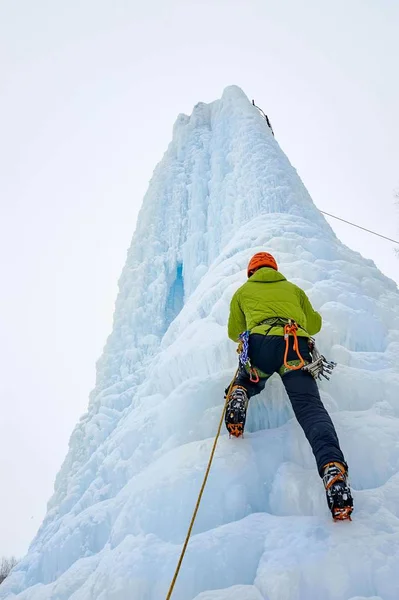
175,298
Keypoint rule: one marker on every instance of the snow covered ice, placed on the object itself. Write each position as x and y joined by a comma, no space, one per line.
125,493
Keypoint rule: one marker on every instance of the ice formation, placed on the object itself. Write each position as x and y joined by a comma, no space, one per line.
127,488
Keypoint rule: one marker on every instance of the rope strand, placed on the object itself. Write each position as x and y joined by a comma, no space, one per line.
172,585
359,227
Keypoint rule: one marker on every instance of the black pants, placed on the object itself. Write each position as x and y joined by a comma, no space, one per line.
267,353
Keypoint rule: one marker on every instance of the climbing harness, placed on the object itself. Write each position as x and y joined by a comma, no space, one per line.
208,468
318,368
290,328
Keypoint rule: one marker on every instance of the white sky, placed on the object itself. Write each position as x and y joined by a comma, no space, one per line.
90,90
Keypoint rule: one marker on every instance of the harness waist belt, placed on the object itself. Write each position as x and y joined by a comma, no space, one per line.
277,321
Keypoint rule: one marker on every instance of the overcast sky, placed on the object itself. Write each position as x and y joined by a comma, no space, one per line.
90,90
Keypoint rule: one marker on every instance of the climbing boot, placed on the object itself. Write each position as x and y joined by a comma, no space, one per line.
236,411
338,492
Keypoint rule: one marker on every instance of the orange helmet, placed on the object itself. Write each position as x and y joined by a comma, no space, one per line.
261,259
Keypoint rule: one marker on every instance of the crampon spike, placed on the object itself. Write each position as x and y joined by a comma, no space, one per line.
342,514
235,429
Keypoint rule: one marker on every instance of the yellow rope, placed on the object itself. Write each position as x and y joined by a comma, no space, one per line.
172,585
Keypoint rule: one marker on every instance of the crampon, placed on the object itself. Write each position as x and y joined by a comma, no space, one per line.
338,492
236,411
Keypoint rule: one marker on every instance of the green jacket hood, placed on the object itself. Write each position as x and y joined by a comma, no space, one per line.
266,275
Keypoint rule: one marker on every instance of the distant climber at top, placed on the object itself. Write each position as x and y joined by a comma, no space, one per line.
269,124
264,115
274,320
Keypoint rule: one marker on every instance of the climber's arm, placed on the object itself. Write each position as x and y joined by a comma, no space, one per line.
237,322
313,318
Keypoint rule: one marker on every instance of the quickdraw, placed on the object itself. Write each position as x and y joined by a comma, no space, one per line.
244,361
290,329
320,365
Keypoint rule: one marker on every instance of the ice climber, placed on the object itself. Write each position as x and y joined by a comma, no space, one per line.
280,321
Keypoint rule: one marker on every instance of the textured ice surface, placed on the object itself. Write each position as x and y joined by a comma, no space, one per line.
125,493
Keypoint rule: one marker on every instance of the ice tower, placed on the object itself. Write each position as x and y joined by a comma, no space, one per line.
124,495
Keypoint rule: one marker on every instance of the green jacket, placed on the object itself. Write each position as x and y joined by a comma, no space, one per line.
268,294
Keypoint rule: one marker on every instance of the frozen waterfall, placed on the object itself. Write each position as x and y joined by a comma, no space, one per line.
125,493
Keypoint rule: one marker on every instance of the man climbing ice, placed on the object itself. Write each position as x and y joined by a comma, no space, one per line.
278,320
